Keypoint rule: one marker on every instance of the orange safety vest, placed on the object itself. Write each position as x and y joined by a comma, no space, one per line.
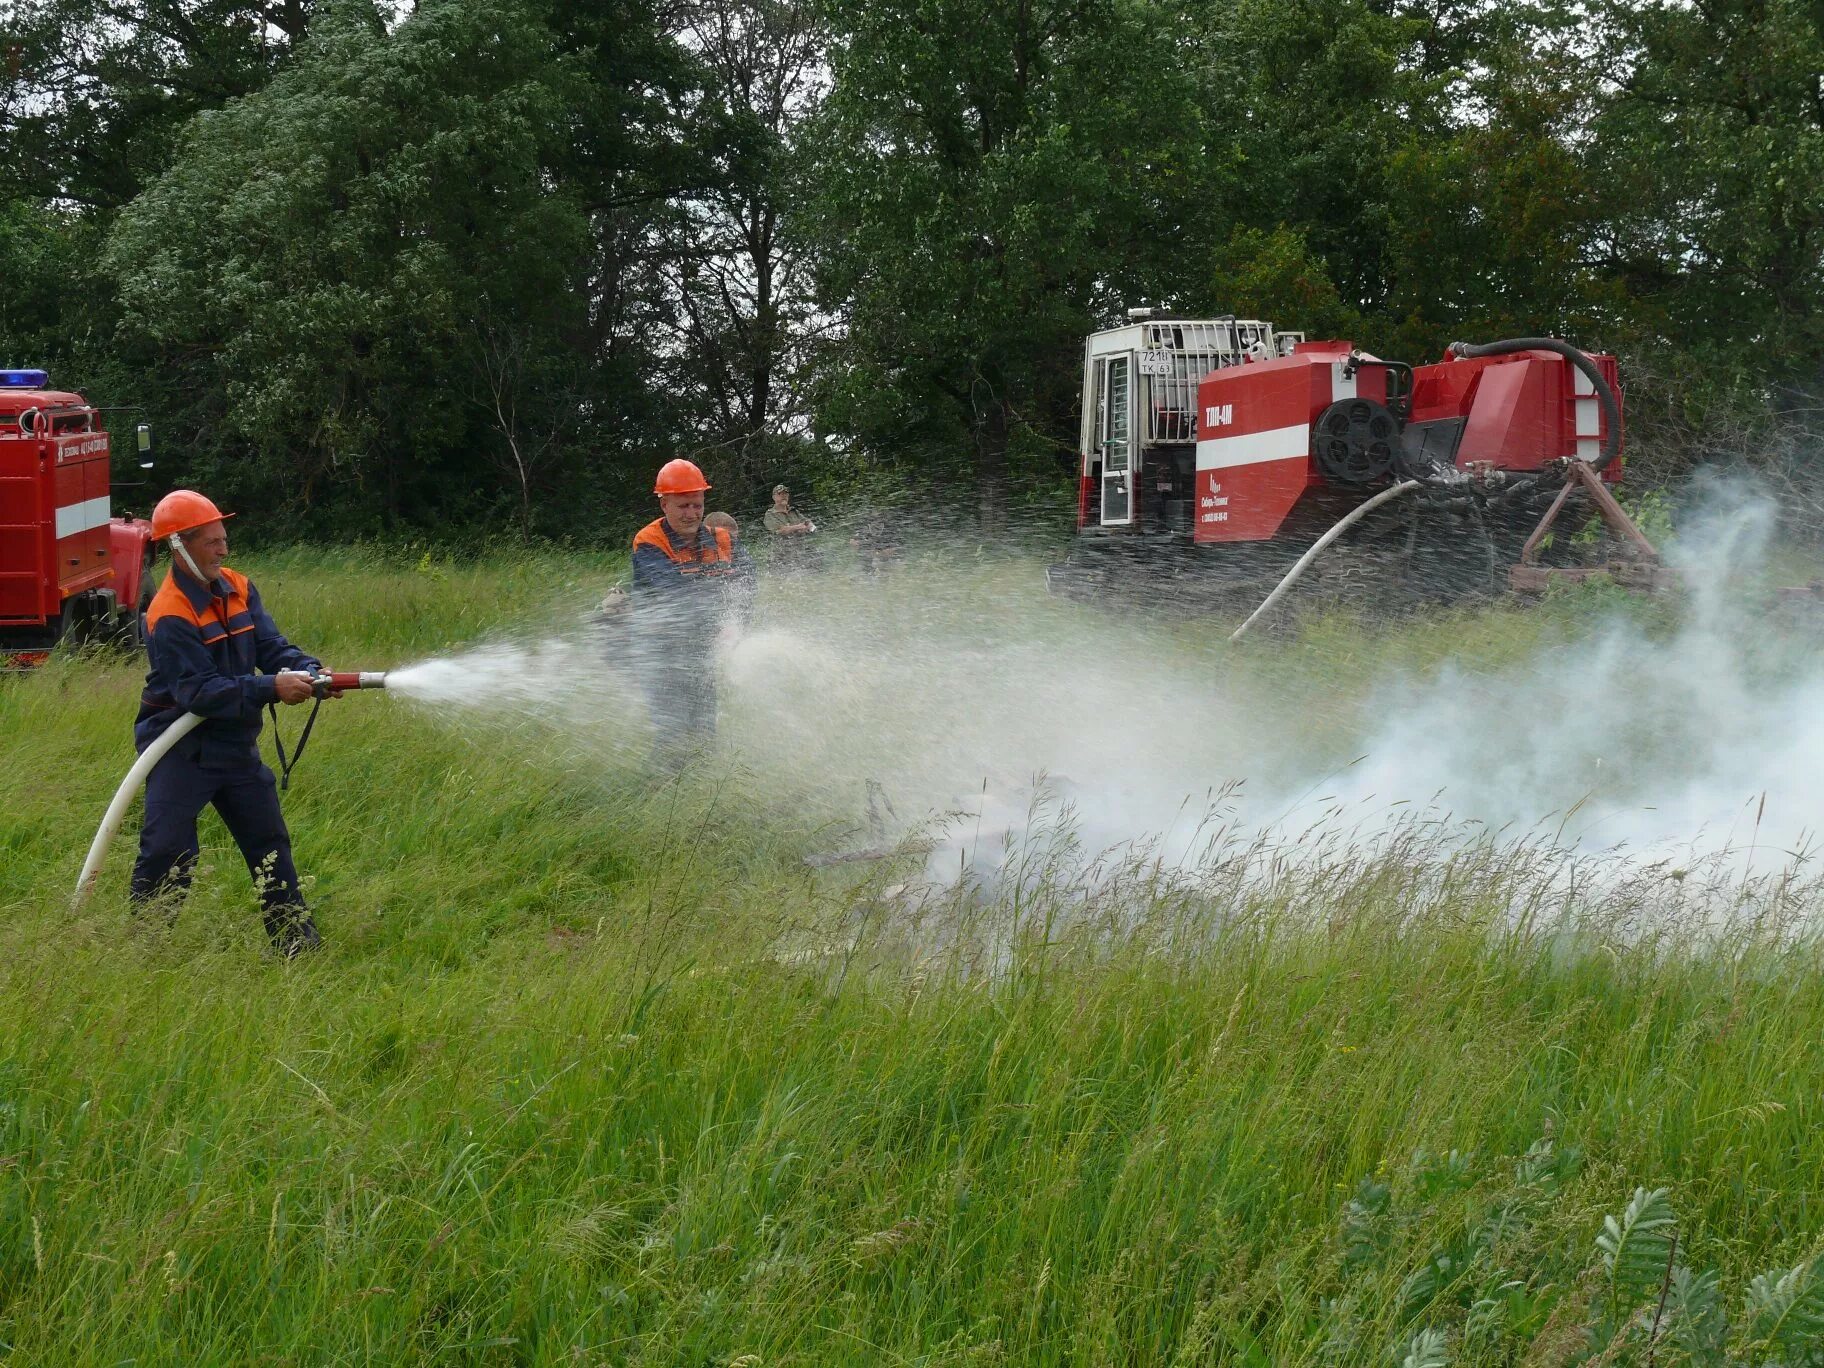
690,560
218,619
207,653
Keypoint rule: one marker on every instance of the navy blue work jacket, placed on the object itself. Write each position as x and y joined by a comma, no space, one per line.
212,649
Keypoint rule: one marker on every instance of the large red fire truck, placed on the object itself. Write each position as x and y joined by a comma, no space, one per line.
1217,453
70,571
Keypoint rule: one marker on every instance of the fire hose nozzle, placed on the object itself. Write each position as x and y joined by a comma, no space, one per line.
326,682
350,679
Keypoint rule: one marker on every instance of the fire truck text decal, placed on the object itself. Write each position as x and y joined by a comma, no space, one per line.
75,451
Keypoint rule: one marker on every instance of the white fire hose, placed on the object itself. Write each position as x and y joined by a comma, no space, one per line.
1317,547
327,684
123,799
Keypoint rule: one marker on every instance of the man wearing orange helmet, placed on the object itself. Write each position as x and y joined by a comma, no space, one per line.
211,649
687,577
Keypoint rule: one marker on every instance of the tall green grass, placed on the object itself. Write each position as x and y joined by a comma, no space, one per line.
594,1069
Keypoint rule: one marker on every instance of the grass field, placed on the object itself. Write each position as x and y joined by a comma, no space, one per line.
594,1069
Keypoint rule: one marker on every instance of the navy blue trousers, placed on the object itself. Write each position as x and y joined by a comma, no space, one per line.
682,702
247,797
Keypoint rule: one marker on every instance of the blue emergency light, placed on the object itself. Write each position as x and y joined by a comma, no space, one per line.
24,379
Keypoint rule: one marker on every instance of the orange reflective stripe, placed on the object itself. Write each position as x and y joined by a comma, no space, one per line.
169,601
172,601
654,534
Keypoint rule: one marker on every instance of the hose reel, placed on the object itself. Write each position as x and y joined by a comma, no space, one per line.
1355,441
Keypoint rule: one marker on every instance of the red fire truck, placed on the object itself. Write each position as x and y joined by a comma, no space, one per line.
70,572
1218,455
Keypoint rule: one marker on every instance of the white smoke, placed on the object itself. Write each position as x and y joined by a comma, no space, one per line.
938,691
1702,737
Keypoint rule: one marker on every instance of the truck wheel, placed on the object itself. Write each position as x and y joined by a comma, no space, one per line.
131,632
77,627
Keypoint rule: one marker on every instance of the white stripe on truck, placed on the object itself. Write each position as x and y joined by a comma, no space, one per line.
1251,448
74,518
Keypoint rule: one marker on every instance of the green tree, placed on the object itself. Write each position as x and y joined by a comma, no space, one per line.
738,277
94,94
1497,222
990,182
1715,132
1273,274
399,270
1312,102
328,253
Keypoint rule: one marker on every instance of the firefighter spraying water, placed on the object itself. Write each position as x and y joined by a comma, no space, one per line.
215,660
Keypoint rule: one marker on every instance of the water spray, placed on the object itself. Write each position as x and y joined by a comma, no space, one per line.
323,684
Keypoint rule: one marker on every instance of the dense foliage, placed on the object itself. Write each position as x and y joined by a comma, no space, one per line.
462,264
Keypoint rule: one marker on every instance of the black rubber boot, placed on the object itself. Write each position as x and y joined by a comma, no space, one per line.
293,933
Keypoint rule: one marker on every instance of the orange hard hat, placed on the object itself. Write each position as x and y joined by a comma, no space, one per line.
680,477
182,510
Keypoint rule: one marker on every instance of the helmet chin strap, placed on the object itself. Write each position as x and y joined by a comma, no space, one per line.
182,552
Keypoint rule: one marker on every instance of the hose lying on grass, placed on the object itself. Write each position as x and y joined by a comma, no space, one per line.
1343,524
123,799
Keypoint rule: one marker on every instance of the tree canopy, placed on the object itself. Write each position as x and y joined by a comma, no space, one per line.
462,265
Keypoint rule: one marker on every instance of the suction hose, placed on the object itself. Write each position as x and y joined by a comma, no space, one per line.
123,799
1317,549
323,684
1611,411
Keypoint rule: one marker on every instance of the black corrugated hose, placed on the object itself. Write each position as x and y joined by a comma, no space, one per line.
1611,411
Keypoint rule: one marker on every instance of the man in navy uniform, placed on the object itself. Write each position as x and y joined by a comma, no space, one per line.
213,650
687,577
